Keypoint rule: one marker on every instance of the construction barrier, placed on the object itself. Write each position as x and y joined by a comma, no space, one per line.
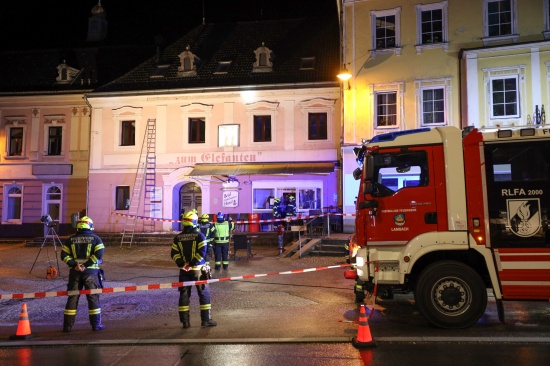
37,295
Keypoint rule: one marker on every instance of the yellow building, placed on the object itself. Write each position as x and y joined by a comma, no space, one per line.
435,63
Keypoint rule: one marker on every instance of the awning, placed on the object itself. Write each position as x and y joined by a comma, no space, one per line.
263,168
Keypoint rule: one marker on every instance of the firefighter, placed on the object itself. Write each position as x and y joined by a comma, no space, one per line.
188,252
222,231
276,208
351,250
207,229
83,252
291,206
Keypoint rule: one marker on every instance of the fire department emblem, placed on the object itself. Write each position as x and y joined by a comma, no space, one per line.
399,219
524,216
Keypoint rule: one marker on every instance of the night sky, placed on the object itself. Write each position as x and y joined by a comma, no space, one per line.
28,24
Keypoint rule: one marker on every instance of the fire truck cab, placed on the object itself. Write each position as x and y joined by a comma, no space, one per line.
451,214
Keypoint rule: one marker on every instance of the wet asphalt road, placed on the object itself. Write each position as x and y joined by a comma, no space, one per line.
264,320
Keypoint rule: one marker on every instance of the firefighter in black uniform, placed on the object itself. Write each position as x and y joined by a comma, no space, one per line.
207,229
83,252
188,251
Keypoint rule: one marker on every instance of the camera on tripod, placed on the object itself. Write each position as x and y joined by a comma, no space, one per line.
47,220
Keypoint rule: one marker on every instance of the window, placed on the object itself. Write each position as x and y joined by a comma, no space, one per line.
431,28
55,135
188,66
13,203
318,117
386,109
197,130
385,29
262,119
433,97
262,128
395,171
53,200
433,106
317,126
308,194
307,63
263,198
228,136
504,97
128,133
263,61
122,196
15,142
223,67
499,20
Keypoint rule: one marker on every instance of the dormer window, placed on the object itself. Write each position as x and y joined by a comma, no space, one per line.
160,72
223,67
65,74
263,60
307,63
188,63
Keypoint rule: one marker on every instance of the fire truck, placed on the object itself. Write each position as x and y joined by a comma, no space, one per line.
455,216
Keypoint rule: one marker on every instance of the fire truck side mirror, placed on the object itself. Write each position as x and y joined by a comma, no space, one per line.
357,173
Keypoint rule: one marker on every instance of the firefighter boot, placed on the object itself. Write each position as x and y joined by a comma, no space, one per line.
184,318
68,321
206,320
95,321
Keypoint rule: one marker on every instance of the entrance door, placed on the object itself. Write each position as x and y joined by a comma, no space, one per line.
190,198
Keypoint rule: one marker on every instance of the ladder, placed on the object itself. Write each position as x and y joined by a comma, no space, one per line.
145,180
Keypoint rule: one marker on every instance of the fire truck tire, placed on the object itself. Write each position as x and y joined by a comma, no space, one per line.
451,295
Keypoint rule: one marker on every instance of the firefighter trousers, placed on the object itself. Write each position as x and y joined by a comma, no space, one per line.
221,253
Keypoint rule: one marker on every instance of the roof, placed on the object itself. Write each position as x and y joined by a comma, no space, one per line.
35,71
289,40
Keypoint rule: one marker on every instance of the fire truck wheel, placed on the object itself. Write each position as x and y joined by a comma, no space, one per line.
451,295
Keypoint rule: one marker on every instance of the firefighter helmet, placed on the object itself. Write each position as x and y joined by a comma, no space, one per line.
220,217
291,198
205,218
85,223
276,200
190,219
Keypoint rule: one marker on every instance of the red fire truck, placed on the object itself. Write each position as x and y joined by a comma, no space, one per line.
455,216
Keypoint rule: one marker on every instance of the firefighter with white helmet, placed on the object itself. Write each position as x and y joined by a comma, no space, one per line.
222,232
83,252
188,252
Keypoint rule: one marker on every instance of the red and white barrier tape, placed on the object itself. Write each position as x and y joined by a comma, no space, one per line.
37,295
287,219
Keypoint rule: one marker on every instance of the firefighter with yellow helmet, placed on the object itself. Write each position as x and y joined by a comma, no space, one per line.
188,252
207,228
83,252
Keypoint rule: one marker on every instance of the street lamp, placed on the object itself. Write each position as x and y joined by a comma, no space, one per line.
344,74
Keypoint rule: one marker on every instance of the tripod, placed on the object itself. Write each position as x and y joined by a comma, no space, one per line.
53,234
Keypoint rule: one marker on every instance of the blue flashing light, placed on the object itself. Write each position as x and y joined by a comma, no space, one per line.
393,135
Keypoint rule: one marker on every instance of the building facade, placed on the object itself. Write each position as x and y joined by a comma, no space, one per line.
241,114
481,63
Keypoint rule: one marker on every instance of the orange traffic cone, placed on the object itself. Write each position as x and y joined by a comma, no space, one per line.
364,338
24,327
